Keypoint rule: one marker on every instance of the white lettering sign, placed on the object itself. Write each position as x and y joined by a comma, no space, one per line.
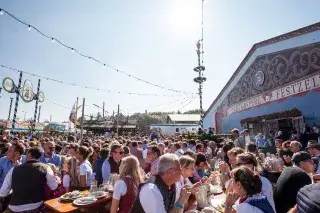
286,91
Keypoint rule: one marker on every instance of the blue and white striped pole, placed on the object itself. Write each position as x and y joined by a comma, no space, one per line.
36,107
10,108
17,102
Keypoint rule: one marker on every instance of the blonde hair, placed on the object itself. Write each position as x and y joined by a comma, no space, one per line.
186,161
130,166
66,160
53,167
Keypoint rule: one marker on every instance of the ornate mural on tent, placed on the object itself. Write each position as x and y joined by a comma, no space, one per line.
269,72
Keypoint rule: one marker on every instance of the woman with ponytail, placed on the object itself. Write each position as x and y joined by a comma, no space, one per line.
248,160
246,193
85,169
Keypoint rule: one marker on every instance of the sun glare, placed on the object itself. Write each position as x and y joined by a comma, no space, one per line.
184,16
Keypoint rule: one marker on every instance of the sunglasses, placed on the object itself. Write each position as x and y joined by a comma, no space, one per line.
51,148
309,161
121,153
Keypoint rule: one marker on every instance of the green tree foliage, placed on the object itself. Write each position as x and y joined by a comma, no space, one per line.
193,111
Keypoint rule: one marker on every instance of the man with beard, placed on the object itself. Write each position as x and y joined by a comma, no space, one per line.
49,156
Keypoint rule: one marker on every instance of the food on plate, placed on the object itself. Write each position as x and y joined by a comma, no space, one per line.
72,195
84,200
98,194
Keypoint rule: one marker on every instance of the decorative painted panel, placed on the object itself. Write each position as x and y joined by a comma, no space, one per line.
274,70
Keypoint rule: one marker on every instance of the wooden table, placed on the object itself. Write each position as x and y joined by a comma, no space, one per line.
65,207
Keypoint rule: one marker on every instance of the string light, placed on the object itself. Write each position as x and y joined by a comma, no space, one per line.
158,105
60,105
83,86
1,12
110,110
29,27
52,40
187,104
90,57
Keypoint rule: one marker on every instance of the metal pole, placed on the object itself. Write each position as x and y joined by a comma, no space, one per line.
200,73
77,107
39,114
36,107
75,122
118,119
17,102
200,68
10,107
81,132
50,122
103,109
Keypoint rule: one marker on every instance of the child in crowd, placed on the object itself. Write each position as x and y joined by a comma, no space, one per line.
66,176
55,172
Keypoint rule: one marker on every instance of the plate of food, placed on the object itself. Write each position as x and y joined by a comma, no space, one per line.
98,194
71,196
84,201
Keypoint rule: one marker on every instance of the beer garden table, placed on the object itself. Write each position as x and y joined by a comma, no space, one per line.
58,206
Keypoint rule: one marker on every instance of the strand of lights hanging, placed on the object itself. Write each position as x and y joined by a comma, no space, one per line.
187,103
53,40
110,110
54,103
158,105
82,86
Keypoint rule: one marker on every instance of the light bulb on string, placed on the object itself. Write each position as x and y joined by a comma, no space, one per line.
1,12
72,50
52,40
29,27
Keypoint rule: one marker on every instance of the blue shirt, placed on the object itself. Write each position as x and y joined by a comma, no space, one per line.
106,170
5,166
97,168
55,159
260,142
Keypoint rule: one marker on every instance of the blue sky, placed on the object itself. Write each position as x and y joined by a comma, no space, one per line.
152,39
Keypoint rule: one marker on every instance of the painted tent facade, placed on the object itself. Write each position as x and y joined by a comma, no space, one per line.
277,86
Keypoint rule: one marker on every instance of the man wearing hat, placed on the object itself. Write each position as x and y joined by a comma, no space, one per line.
313,148
291,180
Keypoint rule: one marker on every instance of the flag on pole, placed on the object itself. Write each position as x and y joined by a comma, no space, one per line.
73,113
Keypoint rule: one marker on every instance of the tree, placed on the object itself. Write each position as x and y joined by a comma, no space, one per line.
193,111
98,116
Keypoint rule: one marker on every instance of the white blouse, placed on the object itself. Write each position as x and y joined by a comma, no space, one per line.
180,184
120,189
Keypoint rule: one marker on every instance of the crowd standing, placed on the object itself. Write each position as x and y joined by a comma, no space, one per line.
158,174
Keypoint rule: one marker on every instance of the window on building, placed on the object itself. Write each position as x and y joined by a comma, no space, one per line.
177,129
298,124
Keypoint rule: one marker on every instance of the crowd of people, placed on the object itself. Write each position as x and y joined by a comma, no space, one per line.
158,174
